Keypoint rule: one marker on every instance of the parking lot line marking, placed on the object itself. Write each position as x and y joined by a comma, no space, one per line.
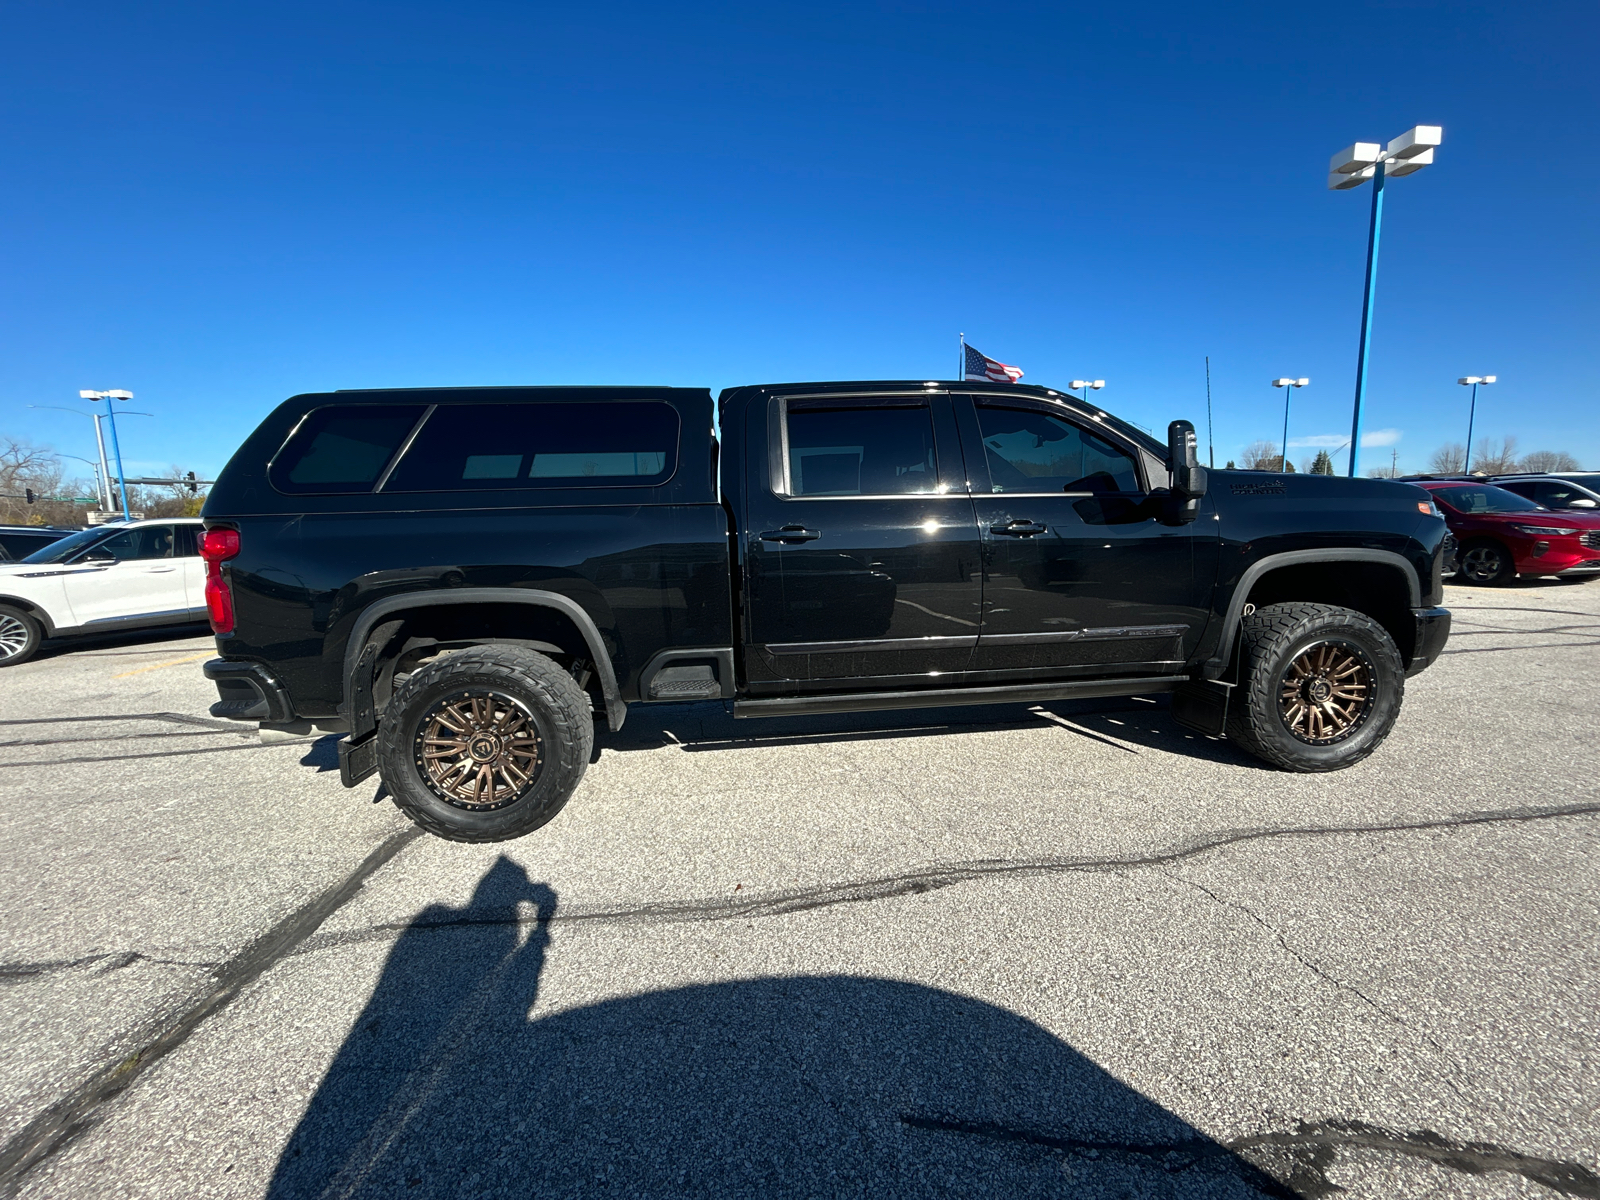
177,662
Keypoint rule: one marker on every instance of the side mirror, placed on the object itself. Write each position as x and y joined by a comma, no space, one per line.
97,555
1188,476
1582,502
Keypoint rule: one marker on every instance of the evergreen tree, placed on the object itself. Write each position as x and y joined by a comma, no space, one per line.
1323,465
1230,466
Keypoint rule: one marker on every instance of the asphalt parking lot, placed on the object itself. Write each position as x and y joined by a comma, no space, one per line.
1061,951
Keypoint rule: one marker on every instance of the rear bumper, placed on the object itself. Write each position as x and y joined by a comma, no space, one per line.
1433,631
248,691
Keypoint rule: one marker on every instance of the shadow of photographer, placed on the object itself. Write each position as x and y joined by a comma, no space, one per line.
803,1086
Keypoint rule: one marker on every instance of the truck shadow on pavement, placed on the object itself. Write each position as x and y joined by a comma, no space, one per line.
1128,726
803,1086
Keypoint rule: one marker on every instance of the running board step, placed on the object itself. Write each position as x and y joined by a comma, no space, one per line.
1028,693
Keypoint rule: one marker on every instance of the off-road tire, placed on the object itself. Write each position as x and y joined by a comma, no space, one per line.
1271,640
1486,564
21,636
553,706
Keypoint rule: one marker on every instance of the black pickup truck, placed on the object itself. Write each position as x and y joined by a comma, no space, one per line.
463,580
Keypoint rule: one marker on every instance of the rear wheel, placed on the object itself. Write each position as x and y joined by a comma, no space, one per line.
485,744
1320,686
1488,564
20,636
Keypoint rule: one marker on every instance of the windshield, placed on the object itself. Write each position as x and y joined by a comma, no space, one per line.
60,551
1484,499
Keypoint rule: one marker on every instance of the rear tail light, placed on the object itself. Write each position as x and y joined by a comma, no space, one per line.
217,546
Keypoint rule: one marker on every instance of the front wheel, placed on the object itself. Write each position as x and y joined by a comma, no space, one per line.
20,636
1320,686
485,744
1487,564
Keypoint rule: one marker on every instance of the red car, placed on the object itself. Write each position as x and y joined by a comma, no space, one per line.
1502,535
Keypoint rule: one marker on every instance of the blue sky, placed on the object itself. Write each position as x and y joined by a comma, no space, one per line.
217,206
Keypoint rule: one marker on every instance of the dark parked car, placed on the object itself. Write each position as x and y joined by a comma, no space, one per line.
1502,535
462,579
1551,491
19,541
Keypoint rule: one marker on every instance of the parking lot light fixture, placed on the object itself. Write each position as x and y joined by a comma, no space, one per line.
1084,386
1472,413
1350,168
1288,386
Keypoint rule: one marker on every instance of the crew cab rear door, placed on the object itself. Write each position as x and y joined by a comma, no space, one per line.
861,544
1079,573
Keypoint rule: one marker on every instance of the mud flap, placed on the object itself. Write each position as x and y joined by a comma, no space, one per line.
1202,705
358,760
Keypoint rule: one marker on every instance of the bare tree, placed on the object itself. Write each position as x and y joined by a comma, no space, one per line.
1488,458
1384,473
25,467
1448,459
1550,460
1262,456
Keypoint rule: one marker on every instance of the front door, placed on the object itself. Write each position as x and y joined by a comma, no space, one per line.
1080,576
131,577
862,552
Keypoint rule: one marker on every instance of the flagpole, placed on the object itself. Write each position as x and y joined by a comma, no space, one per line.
961,364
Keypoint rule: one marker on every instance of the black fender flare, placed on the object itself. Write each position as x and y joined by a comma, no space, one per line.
34,610
1218,662
616,709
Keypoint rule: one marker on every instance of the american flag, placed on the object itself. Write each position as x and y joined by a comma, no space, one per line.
981,366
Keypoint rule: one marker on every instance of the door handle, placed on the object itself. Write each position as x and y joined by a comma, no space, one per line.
1019,528
159,570
791,533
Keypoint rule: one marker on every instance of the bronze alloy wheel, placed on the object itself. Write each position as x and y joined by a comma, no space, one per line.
1326,693
13,636
479,749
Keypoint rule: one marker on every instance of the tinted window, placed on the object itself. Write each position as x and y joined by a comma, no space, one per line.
343,448
471,447
60,551
186,541
142,541
1561,495
1483,499
879,451
1032,451
18,544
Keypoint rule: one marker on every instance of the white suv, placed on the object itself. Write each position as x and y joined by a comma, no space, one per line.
103,580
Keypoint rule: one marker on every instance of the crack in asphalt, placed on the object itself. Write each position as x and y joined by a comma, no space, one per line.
1335,981
80,1109
108,961
95,758
784,903
1481,630
128,737
1536,646
1309,1150
179,718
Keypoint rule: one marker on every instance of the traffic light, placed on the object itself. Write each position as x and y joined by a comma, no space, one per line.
32,495
194,488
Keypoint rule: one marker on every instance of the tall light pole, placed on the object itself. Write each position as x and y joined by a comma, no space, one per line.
111,420
1084,385
1350,168
1472,414
1288,386
103,475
